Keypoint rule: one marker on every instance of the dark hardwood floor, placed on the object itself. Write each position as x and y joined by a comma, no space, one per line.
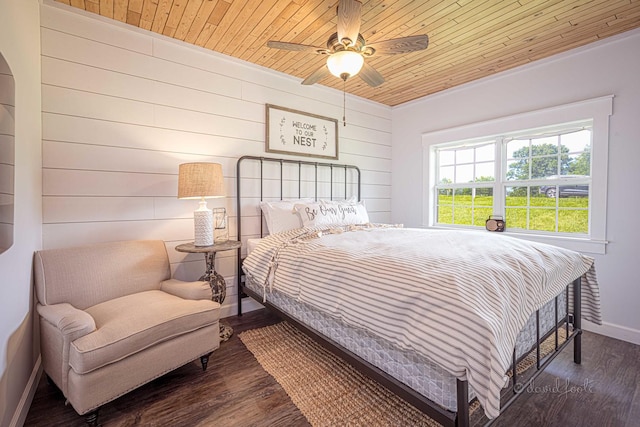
235,391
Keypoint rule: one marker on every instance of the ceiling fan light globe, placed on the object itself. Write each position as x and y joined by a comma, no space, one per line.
345,62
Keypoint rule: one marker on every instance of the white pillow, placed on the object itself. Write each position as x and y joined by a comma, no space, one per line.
332,213
280,215
350,200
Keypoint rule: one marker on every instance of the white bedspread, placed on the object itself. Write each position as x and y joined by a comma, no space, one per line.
457,297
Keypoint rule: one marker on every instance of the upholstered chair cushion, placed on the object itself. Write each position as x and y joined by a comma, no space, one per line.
129,324
188,290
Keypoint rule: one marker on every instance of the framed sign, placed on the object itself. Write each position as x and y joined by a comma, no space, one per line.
301,134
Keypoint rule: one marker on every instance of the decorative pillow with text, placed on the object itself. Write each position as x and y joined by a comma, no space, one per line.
332,213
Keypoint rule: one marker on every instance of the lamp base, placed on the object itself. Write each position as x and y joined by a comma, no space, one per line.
203,225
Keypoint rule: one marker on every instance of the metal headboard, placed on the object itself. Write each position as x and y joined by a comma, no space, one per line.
301,163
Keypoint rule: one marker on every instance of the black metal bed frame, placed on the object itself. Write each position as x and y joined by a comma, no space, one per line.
461,417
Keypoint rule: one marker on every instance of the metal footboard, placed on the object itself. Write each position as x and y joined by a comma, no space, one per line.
574,334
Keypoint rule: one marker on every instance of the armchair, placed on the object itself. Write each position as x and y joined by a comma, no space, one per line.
112,319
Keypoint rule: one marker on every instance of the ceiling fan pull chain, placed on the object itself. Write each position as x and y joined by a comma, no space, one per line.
344,102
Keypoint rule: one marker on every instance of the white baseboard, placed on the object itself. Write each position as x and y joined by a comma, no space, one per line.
20,415
248,304
614,331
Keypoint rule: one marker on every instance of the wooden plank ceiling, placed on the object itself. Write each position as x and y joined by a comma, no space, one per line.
469,39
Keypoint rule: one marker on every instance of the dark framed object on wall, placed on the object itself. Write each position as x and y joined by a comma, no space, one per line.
298,133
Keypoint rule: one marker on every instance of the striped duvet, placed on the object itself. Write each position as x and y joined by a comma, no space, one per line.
457,297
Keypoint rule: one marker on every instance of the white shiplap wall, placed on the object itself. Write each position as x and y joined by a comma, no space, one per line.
122,108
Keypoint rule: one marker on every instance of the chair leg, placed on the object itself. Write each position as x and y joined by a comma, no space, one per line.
205,361
91,418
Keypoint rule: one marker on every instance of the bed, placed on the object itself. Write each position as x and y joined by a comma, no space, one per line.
436,325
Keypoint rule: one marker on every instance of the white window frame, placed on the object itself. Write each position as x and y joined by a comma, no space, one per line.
597,109
472,185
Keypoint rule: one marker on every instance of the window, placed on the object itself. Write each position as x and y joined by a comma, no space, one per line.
548,181
545,180
465,184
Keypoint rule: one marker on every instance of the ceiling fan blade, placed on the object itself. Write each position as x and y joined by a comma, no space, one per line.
400,45
295,47
349,20
370,75
317,75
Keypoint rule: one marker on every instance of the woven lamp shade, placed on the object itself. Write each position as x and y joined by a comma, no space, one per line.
200,180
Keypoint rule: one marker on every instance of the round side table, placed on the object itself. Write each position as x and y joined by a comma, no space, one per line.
215,279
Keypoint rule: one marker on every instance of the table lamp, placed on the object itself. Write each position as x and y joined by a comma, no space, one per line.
201,181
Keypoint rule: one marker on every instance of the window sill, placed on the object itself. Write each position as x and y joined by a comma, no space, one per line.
584,245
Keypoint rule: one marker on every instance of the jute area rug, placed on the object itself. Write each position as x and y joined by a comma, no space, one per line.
327,390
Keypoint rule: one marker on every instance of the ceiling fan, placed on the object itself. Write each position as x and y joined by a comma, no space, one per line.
347,49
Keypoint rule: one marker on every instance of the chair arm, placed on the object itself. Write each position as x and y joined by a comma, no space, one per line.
68,319
70,324
187,290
